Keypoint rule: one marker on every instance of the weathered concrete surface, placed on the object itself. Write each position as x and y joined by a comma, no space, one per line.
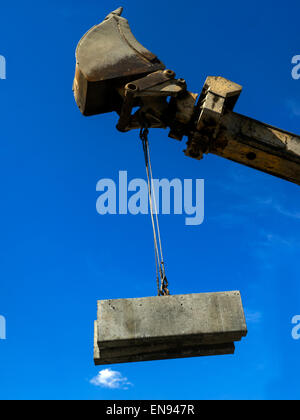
156,352
206,318
131,330
96,347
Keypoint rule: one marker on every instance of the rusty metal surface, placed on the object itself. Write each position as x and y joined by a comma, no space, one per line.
109,51
251,143
220,131
150,93
107,57
116,73
218,96
259,146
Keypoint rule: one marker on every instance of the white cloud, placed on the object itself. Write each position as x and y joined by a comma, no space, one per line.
269,203
294,107
253,317
288,213
111,379
271,240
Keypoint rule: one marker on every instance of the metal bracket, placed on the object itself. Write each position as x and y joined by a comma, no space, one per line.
150,94
218,96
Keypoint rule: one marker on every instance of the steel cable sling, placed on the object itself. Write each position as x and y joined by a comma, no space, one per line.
162,282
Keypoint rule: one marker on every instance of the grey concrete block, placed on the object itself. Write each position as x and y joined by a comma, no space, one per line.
156,352
205,318
168,327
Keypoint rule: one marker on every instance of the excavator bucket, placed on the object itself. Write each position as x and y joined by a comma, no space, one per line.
107,58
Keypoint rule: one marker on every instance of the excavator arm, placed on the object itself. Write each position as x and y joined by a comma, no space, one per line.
114,72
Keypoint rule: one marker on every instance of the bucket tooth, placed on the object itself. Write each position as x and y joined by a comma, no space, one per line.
117,12
107,58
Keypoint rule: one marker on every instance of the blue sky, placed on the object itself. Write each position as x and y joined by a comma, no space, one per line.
58,256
